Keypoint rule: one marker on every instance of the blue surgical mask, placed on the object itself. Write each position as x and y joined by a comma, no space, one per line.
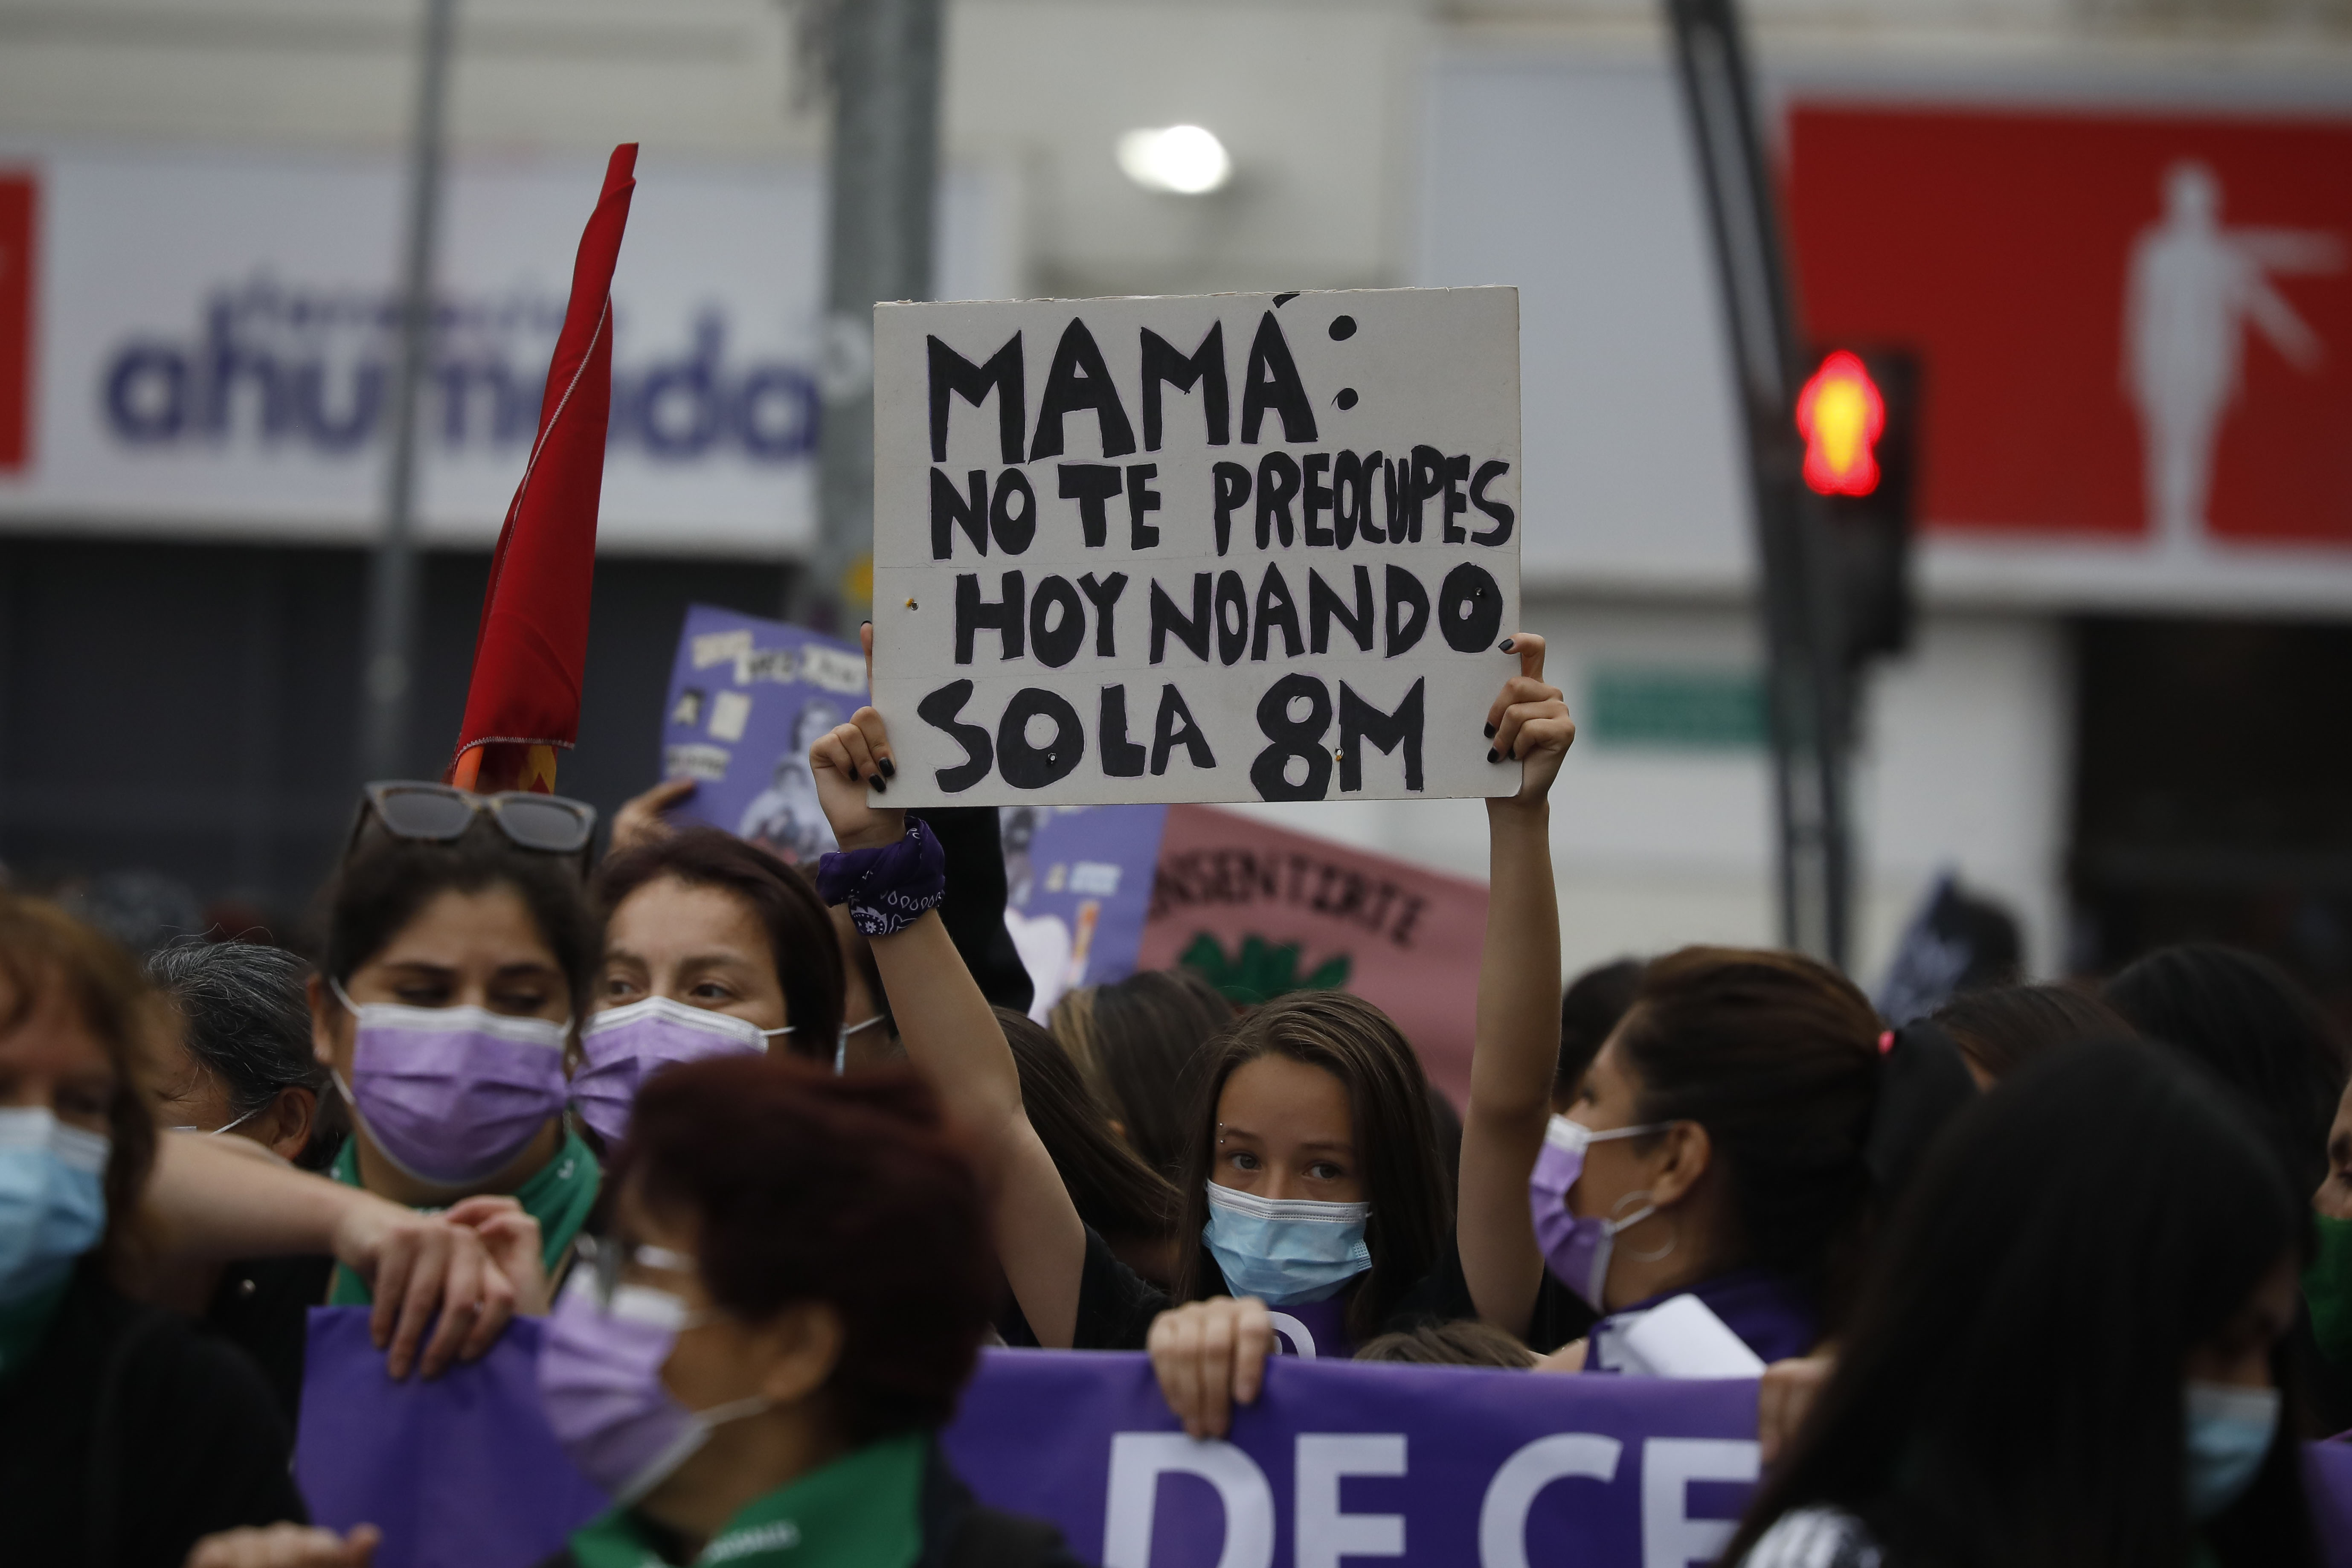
2229,1431
52,1199
1286,1251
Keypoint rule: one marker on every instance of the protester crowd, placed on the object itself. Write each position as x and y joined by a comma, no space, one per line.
2051,1276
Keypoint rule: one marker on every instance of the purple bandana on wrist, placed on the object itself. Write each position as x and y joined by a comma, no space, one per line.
887,888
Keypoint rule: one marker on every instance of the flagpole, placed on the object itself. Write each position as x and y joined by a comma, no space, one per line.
884,69
387,671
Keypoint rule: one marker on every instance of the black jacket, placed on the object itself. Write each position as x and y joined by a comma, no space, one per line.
130,1435
957,1532
263,1307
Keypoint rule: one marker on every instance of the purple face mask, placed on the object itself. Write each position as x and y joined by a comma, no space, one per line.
452,1094
600,1366
622,1044
1576,1249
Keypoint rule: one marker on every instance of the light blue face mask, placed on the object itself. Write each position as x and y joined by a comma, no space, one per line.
52,1199
1286,1250
2229,1431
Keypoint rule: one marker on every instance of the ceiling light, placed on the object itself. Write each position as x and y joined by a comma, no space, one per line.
1184,159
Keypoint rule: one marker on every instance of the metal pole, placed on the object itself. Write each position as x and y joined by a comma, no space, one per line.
1806,681
389,656
885,75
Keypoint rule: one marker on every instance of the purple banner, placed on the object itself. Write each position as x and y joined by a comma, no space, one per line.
1338,1463
747,699
460,1472
1077,888
2328,1477
1354,1461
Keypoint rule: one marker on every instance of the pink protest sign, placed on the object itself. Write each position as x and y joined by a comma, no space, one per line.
1262,911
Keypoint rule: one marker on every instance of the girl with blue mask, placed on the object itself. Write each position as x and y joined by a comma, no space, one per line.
2069,1347
1312,1181
452,976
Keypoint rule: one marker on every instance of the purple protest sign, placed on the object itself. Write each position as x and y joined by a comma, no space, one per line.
1350,1460
2327,1479
459,1472
747,699
1077,889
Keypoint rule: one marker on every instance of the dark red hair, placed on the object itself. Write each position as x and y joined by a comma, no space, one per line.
809,1187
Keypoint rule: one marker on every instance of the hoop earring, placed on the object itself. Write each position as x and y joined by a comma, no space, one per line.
1643,1196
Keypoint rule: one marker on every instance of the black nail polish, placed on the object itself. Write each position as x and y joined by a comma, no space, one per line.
1491,756
880,787
1507,642
1490,731
889,769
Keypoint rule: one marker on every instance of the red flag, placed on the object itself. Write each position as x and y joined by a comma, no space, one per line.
533,644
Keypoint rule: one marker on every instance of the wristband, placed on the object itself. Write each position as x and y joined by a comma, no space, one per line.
887,888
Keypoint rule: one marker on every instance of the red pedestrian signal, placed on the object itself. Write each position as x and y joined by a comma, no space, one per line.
1841,415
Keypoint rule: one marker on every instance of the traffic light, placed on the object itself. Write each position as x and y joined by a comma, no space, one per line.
1856,413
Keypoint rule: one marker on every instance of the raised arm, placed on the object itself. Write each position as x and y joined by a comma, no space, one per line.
1518,1042
952,1035
216,1199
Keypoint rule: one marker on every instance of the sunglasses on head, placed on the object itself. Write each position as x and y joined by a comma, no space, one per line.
439,813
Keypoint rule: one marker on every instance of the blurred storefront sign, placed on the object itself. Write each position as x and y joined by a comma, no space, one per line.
2061,402
210,341
2136,329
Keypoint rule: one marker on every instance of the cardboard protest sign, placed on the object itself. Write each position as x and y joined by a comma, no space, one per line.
747,699
1222,547
1260,911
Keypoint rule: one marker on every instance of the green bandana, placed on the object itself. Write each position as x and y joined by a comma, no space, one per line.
24,1325
2327,1290
559,1196
857,1513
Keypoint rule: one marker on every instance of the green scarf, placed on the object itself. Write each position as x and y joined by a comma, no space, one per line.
24,1325
559,1196
862,1511
2327,1289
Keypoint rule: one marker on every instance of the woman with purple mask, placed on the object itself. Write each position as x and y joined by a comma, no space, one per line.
1718,1148
753,1362
455,970
712,947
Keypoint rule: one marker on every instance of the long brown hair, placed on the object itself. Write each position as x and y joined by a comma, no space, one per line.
1777,1057
1396,1142
1115,1191
42,948
1139,1044
2000,1028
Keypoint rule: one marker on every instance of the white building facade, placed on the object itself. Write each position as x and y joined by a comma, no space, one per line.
215,190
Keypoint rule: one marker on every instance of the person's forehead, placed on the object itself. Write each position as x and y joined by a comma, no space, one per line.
671,916
54,1036
460,927
1274,1096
